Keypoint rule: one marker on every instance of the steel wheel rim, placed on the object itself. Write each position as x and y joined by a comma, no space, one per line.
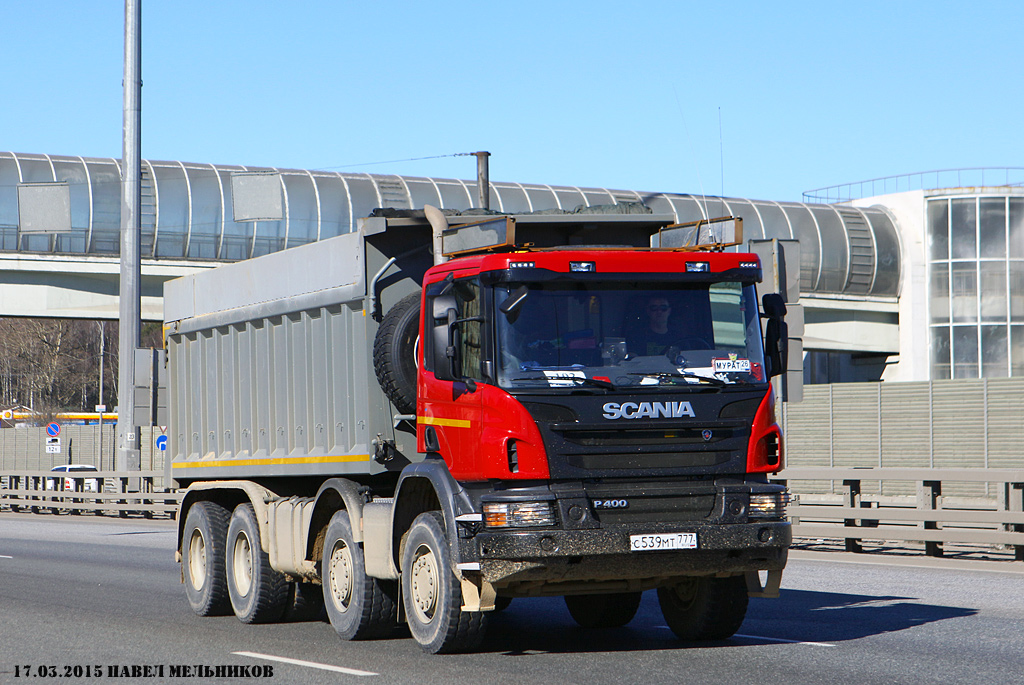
425,584
685,594
341,580
241,561
197,559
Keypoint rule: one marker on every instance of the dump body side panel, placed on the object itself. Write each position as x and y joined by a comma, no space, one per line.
271,367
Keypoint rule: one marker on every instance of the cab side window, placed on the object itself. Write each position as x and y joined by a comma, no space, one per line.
468,336
470,333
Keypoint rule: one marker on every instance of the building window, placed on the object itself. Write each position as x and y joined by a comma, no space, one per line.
963,230
938,228
976,286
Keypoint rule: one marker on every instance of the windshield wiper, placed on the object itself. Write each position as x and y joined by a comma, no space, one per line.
682,375
582,380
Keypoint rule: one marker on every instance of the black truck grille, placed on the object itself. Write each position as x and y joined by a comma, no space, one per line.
646,460
645,436
582,444
648,503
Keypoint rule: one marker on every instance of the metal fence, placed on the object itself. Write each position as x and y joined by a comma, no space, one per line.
932,462
929,516
25,448
99,492
27,484
949,424
923,180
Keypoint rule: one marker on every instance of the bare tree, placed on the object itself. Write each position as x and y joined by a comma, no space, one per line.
53,365
50,364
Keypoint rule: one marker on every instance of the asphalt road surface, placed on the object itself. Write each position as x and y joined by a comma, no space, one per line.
95,599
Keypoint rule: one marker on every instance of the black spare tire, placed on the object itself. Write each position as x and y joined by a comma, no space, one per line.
394,353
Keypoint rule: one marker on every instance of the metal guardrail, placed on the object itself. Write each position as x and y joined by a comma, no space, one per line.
122,492
850,515
927,517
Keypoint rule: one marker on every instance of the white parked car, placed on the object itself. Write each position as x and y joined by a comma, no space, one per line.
74,484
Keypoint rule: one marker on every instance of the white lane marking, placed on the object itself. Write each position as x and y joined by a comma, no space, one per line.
780,639
307,664
4,556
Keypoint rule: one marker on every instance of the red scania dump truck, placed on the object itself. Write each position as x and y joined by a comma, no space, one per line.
422,420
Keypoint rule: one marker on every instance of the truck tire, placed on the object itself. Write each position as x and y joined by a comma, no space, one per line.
394,353
705,608
259,594
203,559
603,611
358,606
432,594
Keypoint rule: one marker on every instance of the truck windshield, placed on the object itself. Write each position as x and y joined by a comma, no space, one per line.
569,334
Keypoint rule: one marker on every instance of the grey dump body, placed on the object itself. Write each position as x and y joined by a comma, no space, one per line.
270,359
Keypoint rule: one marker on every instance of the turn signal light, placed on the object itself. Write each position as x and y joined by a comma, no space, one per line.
769,505
519,514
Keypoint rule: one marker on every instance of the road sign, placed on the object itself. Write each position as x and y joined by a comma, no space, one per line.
53,445
53,429
161,443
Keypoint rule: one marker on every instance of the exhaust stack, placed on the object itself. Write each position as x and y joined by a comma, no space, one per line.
483,178
438,223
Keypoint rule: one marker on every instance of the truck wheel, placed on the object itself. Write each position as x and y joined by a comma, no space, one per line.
432,594
394,353
259,594
705,608
358,606
203,559
603,611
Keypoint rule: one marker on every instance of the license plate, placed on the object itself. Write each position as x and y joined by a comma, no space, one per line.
731,365
655,542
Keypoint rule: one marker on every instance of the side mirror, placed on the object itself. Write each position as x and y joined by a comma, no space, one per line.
510,306
776,335
776,346
443,315
773,306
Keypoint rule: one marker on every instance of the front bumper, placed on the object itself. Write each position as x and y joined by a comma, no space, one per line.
509,558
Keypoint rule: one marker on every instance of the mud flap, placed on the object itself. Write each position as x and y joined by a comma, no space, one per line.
477,593
770,590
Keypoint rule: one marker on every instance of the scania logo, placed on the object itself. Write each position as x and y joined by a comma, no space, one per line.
647,410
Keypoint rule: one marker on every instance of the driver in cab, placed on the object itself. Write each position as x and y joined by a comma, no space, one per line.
653,336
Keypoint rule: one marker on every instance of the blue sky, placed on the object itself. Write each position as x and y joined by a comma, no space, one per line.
656,96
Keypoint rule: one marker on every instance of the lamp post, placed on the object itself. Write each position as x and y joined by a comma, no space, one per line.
131,265
100,407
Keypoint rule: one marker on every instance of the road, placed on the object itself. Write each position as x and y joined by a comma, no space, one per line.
86,592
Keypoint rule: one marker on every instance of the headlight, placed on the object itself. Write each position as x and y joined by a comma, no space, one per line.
769,505
519,514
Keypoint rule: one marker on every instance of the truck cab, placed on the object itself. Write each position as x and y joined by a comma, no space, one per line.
608,412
